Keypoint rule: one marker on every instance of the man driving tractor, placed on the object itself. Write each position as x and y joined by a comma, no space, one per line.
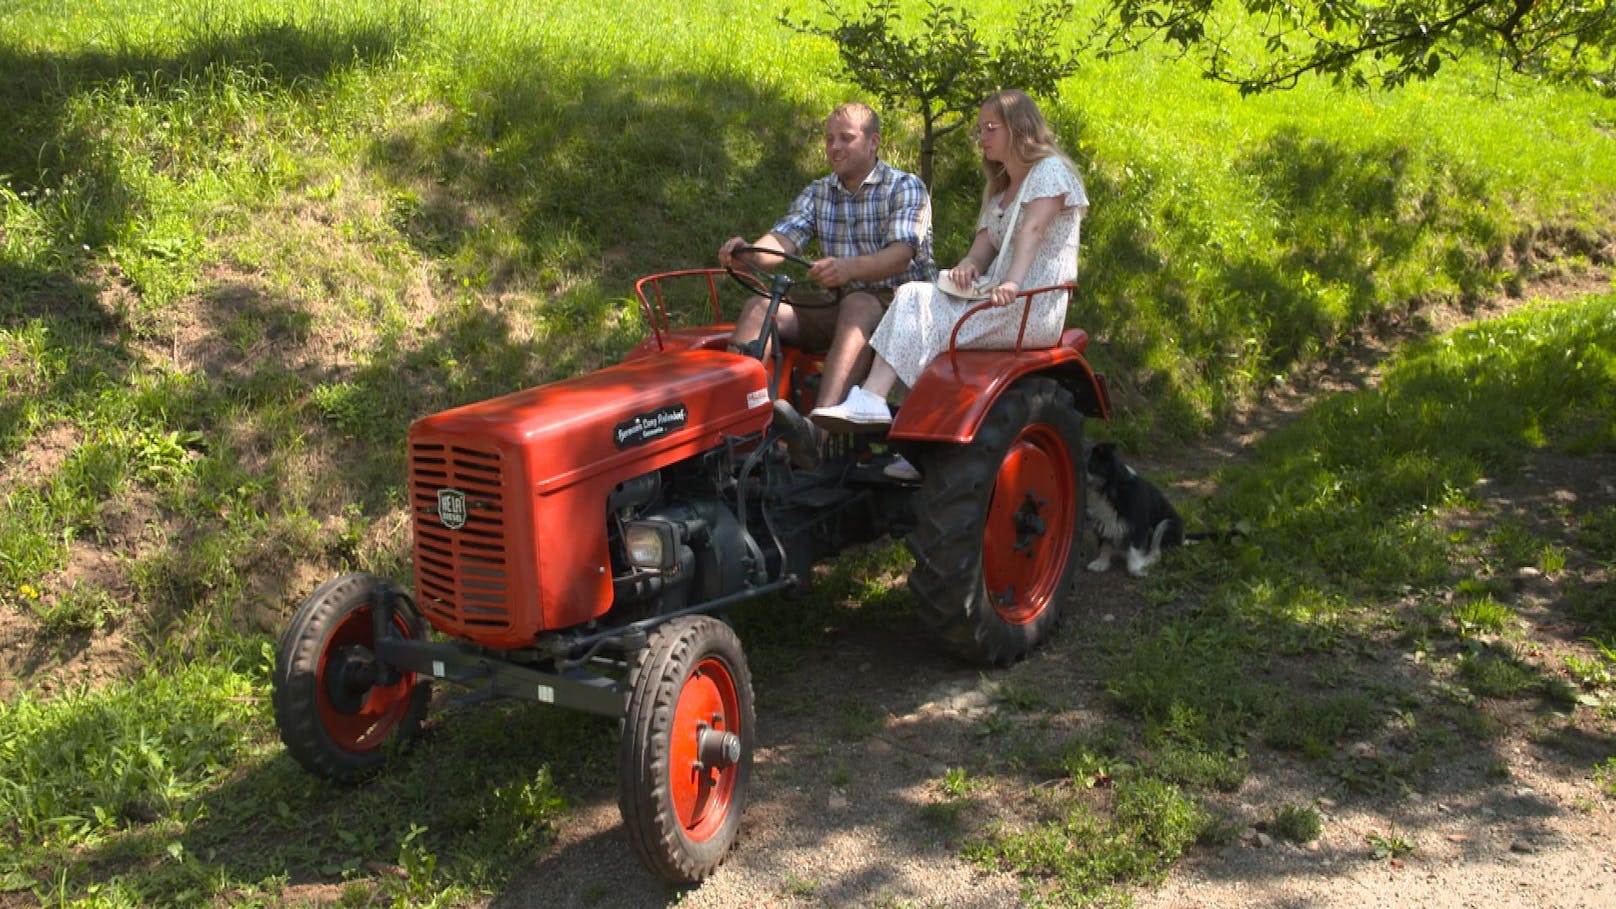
873,225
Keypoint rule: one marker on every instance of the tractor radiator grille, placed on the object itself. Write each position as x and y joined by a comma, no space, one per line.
462,576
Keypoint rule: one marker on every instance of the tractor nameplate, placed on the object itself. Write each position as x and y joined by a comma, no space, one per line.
452,508
645,427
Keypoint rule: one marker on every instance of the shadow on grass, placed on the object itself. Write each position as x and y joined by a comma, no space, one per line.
67,171
601,178
43,147
468,805
264,413
1302,636
81,343
74,197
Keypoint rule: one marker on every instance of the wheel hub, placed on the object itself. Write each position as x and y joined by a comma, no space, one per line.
715,749
348,681
1029,523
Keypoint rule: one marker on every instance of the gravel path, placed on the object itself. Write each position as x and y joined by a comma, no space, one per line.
854,744
836,820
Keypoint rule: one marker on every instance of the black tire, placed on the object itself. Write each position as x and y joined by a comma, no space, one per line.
1000,521
686,754
332,715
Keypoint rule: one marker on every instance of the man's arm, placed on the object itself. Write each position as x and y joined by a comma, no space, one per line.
771,240
908,219
890,260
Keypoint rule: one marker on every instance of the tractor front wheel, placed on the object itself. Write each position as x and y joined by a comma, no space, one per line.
336,705
686,754
1000,529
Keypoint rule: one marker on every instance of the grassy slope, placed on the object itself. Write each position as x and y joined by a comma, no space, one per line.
243,245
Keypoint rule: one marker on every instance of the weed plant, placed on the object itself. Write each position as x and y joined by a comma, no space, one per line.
243,244
1297,824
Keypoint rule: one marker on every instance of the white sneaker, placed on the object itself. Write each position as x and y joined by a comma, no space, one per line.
901,469
861,411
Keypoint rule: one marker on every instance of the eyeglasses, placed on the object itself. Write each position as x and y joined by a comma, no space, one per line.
988,128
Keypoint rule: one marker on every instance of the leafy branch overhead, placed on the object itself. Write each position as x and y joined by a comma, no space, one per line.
1357,42
941,70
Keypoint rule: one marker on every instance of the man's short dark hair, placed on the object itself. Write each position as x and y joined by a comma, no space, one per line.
859,113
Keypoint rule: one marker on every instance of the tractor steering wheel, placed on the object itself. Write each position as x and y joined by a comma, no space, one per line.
773,287
761,281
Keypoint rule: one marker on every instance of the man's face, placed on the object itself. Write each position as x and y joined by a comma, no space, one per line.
850,150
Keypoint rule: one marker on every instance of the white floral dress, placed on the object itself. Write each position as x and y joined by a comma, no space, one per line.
917,325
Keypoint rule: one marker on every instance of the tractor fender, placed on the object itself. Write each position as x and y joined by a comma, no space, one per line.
956,391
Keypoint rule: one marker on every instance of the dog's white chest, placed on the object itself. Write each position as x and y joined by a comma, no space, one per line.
1107,522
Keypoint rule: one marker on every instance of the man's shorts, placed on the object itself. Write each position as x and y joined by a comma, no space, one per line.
816,313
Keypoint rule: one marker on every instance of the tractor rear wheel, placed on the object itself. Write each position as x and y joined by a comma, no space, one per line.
1000,526
686,755
336,705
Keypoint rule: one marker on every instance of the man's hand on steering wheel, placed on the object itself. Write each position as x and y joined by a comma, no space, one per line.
726,252
759,280
830,272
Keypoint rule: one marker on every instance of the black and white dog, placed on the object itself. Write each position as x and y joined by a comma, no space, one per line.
1128,513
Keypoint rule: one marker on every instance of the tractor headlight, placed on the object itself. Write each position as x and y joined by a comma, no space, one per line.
651,544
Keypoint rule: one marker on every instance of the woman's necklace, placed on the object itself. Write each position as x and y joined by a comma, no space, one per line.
1006,198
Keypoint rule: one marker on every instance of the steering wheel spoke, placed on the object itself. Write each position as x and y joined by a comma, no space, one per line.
773,286
762,281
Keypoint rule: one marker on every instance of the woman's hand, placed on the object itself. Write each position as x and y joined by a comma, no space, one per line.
1004,293
964,274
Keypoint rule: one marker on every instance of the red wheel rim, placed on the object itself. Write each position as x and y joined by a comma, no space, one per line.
701,795
1030,522
359,718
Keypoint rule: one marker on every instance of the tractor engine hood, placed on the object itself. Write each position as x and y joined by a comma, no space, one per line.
508,496
616,417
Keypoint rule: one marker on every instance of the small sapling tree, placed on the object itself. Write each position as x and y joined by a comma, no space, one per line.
942,68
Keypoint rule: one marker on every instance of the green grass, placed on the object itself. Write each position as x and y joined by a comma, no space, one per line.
1085,854
1605,775
1389,845
243,244
1297,824
178,778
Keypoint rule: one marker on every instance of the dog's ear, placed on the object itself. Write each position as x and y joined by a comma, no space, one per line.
1098,463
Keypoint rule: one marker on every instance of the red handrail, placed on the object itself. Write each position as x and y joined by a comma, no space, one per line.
657,314
953,337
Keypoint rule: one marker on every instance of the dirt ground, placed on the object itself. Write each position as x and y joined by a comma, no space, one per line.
834,821
838,814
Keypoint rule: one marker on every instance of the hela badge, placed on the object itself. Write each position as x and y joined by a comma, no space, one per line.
452,508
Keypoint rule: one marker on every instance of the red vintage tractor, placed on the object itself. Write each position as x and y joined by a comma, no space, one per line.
578,544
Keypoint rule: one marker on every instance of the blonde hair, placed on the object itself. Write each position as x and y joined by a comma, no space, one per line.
1031,139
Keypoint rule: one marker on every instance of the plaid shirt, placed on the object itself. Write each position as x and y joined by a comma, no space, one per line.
890,206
